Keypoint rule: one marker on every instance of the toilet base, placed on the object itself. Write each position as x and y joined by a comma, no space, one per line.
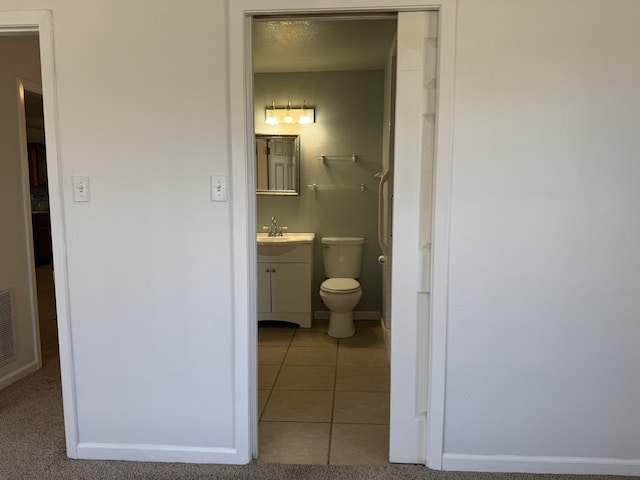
341,325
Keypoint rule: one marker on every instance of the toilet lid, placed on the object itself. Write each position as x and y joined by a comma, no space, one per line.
342,285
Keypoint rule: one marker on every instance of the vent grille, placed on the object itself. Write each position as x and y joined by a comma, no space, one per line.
7,338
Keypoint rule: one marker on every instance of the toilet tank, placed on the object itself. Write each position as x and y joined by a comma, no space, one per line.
342,256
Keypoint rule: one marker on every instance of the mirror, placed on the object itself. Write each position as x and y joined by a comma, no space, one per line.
277,164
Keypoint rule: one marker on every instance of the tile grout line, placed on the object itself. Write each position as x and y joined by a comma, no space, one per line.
273,386
333,404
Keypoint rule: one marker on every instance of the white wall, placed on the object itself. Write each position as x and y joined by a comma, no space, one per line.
19,58
141,94
543,326
142,106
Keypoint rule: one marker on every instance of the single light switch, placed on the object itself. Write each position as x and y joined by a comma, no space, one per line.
219,188
81,192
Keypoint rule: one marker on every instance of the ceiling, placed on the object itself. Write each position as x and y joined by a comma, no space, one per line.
312,44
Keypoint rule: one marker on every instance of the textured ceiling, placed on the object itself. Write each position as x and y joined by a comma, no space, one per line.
321,44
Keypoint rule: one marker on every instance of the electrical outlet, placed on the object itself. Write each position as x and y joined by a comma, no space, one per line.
218,188
81,191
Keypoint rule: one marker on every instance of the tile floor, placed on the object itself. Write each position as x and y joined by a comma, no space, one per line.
322,400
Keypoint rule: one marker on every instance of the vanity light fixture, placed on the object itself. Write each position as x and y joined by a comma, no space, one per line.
292,115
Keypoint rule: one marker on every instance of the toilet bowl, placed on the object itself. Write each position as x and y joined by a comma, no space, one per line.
341,295
341,292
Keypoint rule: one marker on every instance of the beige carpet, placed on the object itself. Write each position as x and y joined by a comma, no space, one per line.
32,447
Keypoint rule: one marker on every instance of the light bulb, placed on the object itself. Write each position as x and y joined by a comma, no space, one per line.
271,120
287,117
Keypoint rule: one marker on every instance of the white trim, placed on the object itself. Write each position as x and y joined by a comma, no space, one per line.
41,21
243,202
16,375
557,465
156,453
22,86
439,291
410,342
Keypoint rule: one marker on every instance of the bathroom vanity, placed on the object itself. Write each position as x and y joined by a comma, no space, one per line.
284,277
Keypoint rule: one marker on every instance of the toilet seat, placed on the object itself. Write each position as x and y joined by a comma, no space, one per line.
340,285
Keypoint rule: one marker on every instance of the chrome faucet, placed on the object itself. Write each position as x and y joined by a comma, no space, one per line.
274,230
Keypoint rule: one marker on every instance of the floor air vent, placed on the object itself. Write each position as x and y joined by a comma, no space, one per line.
7,338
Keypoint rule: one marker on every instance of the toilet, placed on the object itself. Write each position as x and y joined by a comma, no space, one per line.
341,291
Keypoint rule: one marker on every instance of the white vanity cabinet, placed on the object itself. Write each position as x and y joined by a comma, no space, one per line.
284,282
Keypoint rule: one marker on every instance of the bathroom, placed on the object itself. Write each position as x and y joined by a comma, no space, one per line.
340,154
350,119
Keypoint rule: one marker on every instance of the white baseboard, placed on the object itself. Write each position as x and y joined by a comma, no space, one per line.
557,465
158,453
357,315
16,375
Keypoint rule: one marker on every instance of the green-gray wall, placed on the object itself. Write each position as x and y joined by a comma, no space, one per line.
349,119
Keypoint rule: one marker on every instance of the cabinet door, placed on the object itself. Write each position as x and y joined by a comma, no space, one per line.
264,287
32,150
291,287
37,164
42,165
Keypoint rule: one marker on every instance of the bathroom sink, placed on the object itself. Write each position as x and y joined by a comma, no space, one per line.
280,245
265,239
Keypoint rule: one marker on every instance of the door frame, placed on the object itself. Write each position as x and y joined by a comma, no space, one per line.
243,205
41,22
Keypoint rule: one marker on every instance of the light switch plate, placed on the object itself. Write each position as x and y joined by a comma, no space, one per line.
81,190
219,188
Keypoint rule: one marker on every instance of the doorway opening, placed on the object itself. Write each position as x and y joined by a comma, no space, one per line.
419,328
40,220
324,400
25,216
34,73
